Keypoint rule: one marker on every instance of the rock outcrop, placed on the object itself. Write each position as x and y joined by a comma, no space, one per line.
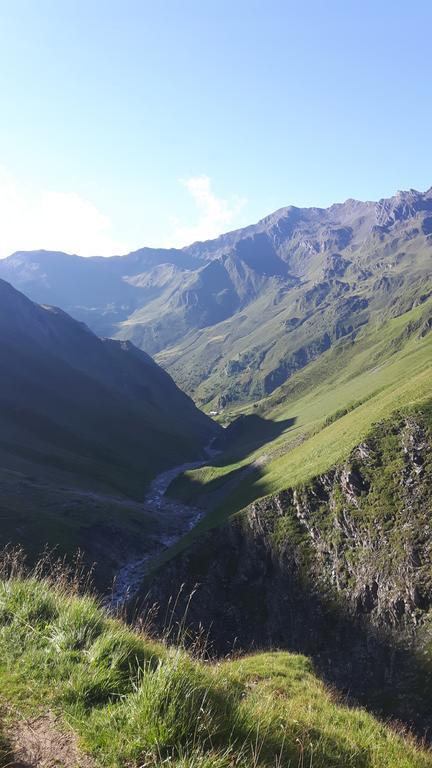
340,569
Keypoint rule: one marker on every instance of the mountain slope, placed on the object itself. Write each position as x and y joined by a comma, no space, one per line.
86,405
317,536
233,318
318,416
84,422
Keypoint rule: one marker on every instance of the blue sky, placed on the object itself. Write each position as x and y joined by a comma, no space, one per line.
134,123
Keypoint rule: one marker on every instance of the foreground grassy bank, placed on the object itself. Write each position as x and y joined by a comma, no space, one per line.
133,701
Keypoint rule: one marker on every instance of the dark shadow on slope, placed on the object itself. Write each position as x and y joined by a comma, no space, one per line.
247,597
248,433
245,435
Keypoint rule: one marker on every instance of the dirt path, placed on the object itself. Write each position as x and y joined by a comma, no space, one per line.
42,743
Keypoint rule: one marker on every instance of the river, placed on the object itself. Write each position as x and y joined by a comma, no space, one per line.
180,518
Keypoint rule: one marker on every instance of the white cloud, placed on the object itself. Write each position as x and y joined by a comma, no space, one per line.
33,218
216,214
62,221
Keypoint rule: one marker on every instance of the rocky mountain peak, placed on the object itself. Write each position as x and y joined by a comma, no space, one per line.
404,205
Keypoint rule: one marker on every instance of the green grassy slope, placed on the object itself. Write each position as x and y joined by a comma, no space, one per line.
135,702
333,403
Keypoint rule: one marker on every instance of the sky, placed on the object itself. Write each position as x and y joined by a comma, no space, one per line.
127,123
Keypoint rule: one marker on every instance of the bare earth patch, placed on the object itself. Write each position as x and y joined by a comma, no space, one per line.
40,743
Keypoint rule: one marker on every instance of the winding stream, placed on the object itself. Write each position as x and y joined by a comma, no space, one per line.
179,519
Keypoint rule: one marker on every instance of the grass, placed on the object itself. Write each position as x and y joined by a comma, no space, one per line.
334,402
36,514
133,701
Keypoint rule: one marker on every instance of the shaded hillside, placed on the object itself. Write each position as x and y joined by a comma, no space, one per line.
97,408
81,413
234,318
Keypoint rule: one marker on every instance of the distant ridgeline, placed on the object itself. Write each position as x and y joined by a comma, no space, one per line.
232,319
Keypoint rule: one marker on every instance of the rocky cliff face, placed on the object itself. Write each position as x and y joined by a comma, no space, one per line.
340,568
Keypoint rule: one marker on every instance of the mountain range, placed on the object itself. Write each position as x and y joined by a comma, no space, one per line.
232,319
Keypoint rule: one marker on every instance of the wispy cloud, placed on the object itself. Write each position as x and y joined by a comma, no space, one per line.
54,220
215,214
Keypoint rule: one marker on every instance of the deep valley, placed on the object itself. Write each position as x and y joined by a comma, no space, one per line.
264,483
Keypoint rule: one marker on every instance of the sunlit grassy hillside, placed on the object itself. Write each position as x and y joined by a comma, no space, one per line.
328,409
